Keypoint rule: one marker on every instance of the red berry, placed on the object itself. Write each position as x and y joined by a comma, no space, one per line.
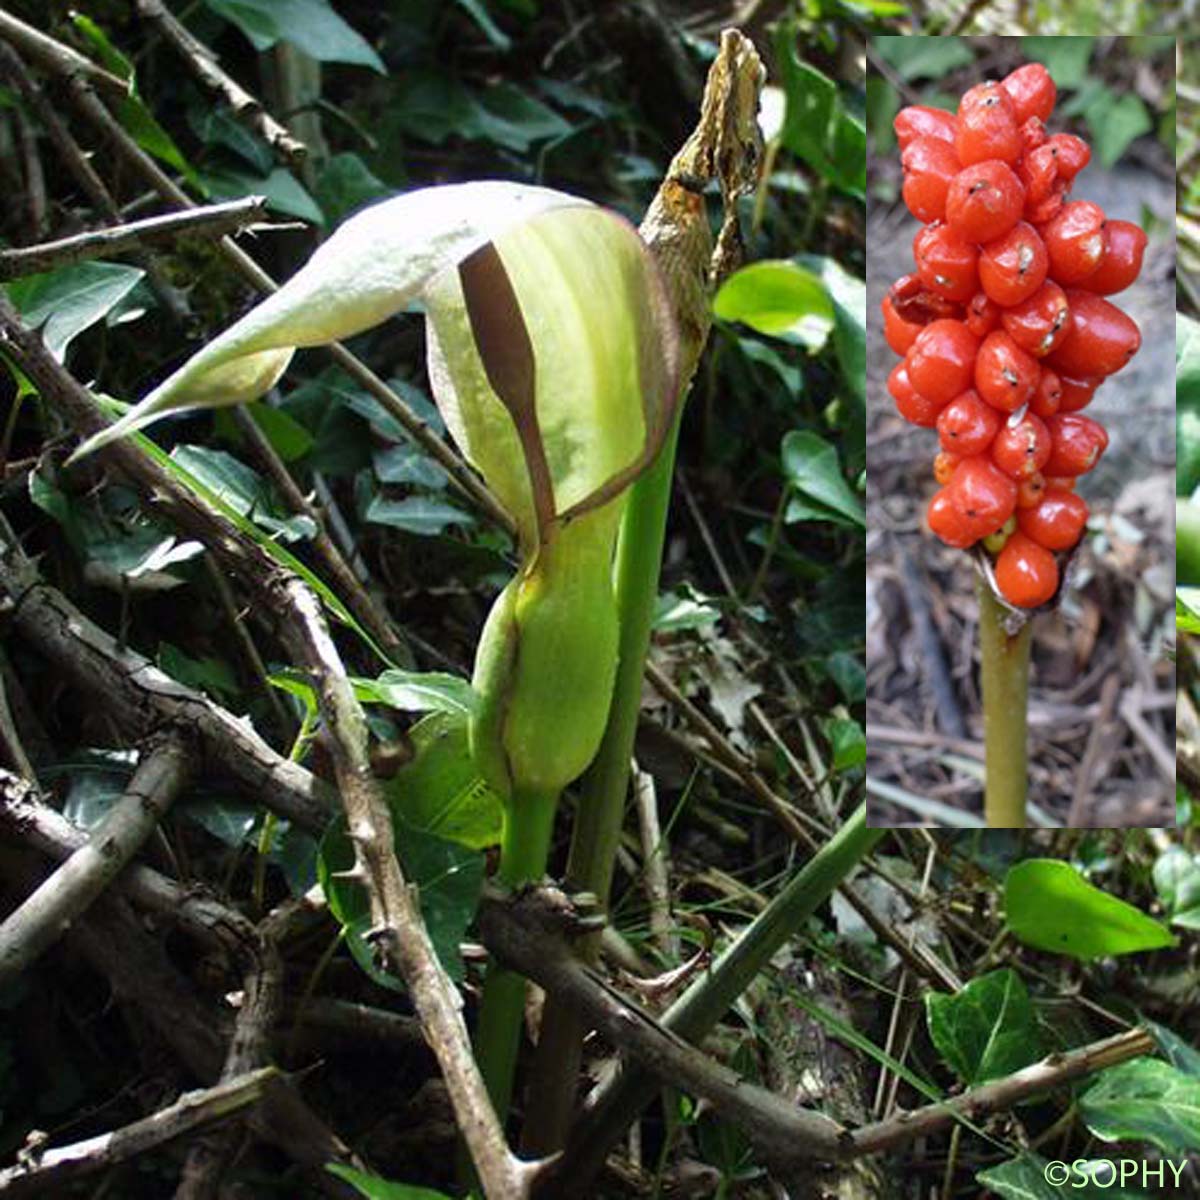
1047,400
1121,262
987,126
1076,393
1057,522
1005,376
946,263
1100,339
917,121
930,165
1030,491
1031,91
947,522
1071,155
910,404
941,360
984,201
1033,135
917,305
966,426
1038,172
1078,443
1021,450
899,333
1026,573
1013,267
983,495
1075,241
983,314
1039,324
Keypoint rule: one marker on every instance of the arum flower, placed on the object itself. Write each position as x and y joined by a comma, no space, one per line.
552,357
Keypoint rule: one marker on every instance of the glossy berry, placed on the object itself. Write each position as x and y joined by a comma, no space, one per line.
1005,375
988,127
1071,155
1038,324
1030,491
910,404
1057,522
984,201
1078,442
1100,339
1038,173
1031,91
941,360
1121,262
899,333
1074,241
966,426
947,522
1060,483
1026,573
983,494
982,314
946,263
1076,393
917,121
916,304
930,166
1014,266
1022,449
1047,400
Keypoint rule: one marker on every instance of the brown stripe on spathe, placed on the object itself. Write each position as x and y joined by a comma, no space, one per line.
506,352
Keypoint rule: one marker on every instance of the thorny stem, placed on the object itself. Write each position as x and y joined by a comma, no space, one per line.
1005,677
524,848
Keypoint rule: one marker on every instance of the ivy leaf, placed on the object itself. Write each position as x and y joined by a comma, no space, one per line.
419,691
778,298
310,25
1145,1100
987,1030
812,469
1177,879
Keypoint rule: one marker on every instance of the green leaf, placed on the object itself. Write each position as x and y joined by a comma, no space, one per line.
289,439
480,15
406,463
310,25
417,691
925,57
441,790
848,742
211,675
283,192
217,126
811,466
847,672
1066,58
1050,906
1176,1051
778,298
817,126
1114,122
1187,607
682,609
423,515
243,489
375,1188
1177,878
447,878
849,295
71,299
346,183
987,1030
1145,1100
1024,1178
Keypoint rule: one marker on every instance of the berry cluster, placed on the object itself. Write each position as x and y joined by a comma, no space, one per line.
1004,327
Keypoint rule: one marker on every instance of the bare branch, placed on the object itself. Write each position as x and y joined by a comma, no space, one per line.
1053,1071
214,220
57,58
32,928
203,64
50,1170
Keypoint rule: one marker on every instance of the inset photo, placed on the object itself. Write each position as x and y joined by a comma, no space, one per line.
1020,431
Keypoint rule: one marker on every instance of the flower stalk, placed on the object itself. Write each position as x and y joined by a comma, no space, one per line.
1004,670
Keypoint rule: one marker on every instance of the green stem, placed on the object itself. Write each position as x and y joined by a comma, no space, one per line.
1187,542
524,848
601,810
1005,679
694,1014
